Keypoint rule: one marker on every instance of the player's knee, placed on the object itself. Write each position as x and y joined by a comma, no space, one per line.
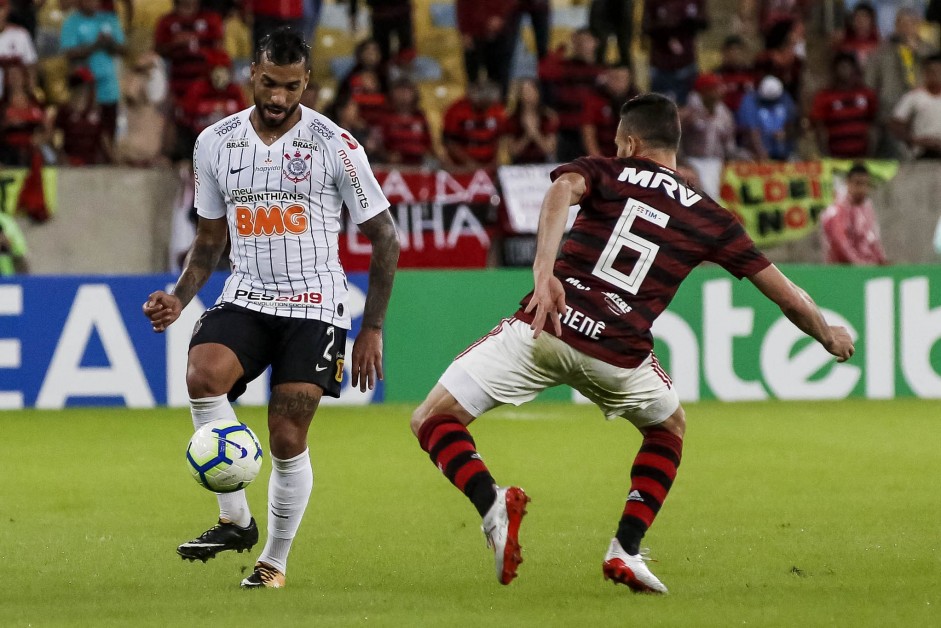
418,419
286,440
676,422
206,380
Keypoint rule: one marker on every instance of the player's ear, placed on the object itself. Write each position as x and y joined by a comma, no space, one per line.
251,74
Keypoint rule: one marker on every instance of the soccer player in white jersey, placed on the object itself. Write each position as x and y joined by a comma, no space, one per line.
272,180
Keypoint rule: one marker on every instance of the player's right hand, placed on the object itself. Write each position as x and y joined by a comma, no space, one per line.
841,343
548,301
162,309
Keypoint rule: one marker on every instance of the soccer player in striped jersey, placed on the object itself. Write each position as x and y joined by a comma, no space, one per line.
639,232
272,180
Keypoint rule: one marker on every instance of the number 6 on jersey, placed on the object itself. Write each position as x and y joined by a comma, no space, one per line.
621,237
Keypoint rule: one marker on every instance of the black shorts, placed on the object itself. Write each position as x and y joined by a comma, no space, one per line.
296,349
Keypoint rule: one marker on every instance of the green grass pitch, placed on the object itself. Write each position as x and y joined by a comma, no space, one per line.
783,514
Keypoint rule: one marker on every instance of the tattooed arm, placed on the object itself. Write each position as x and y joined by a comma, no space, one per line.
367,350
211,236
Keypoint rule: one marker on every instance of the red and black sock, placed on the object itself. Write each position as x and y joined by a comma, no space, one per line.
651,478
454,452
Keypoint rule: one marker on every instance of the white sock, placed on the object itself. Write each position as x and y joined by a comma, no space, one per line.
232,506
288,491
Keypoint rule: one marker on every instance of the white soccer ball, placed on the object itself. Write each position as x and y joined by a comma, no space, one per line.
224,456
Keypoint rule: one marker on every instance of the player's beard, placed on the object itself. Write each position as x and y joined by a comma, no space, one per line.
275,122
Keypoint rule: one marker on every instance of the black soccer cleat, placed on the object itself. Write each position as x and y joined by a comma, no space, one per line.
219,538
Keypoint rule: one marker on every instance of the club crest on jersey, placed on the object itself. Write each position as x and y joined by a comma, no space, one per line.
297,168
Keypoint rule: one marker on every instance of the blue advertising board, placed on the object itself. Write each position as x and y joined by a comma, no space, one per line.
84,341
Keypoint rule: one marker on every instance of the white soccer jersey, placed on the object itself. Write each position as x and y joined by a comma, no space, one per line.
283,205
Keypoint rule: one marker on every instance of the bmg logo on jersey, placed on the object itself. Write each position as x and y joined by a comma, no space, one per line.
270,221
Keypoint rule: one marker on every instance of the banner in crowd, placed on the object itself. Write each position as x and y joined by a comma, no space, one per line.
523,189
11,188
81,341
445,220
719,339
777,202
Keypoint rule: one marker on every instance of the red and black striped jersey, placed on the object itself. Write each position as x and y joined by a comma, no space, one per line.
847,115
641,229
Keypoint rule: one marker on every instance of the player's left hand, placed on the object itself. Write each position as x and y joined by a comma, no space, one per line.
367,359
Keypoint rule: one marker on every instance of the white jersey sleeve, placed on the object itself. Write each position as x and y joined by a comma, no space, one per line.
356,182
209,199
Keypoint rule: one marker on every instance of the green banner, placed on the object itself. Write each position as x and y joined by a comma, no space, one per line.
780,202
720,338
777,202
11,184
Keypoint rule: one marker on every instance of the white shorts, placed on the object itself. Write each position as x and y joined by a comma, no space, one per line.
509,366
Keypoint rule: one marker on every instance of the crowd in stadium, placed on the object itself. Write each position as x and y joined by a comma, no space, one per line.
879,99
784,80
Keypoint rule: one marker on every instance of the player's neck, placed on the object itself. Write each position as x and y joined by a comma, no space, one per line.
269,135
663,157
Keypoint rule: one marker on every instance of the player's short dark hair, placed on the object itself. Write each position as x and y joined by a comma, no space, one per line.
935,58
283,46
653,118
858,168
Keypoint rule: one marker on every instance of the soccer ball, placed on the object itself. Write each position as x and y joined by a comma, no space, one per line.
224,456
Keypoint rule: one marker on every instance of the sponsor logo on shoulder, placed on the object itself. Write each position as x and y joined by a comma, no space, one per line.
305,144
241,142
322,129
226,126
616,304
350,141
355,181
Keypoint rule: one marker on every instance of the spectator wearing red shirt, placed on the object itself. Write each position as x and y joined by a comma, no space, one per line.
406,137
211,98
366,90
182,38
603,111
780,57
367,56
531,127
21,118
473,127
82,126
850,229
268,15
735,72
567,83
843,113
488,31
861,35
672,26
